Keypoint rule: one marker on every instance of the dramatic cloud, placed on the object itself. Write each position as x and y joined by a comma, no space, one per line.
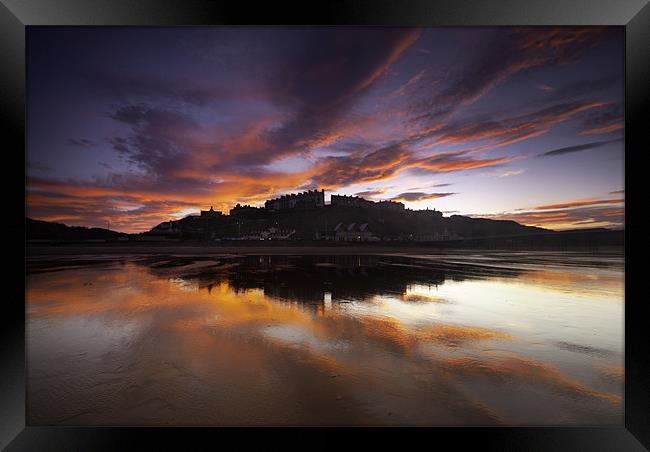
370,193
579,203
122,212
179,120
511,129
577,213
419,196
81,142
376,165
503,55
157,140
450,162
515,172
387,162
604,120
609,217
335,68
578,148
431,186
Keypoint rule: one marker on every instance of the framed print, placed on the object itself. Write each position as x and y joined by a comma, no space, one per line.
361,215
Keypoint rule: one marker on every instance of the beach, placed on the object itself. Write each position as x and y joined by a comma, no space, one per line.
317,336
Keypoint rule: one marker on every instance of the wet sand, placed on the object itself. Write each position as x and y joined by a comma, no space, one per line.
176,337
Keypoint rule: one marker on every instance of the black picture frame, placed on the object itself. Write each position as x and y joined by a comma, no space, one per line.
16,15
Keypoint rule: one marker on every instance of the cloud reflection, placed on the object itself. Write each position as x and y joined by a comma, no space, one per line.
230,342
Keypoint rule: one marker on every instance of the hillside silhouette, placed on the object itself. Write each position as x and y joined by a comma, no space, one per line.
45,230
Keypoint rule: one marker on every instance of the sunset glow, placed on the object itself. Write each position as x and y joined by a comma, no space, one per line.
135,126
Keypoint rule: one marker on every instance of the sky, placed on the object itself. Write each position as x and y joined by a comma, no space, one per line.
131,126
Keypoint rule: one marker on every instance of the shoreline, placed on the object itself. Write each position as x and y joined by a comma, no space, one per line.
32,250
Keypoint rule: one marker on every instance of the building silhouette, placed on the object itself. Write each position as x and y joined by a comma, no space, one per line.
391,205
210,213
304,200
243,211
304,216
426,213
350,201
354,232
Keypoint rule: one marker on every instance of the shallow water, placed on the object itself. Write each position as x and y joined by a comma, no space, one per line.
467,339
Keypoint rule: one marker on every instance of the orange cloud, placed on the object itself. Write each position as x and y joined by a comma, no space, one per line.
404,43
577,217
443,164
419,196
603,129
579,203
185,163
512,130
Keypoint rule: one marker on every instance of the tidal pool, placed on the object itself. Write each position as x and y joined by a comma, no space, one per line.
449,339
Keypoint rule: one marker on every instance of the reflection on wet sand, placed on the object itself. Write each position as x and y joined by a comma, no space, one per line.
322,340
